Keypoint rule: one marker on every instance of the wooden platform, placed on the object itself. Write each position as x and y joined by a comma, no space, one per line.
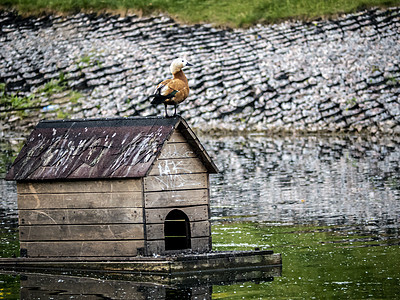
182,268
198,286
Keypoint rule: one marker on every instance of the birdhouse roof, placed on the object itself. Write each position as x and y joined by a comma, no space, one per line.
99,148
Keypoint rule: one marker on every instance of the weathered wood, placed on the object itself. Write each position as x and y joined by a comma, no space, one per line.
177,137
176,150
181,269
80,216
191,139
176,198
175,182
155,247
80,200
197,229
81,232
89,186
199,245
178,166
200,229
236,259
194,213
155,231
82,248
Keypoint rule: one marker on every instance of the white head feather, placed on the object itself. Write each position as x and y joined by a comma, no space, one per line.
178,64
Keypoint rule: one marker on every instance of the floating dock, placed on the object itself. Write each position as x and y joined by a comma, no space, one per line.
212,266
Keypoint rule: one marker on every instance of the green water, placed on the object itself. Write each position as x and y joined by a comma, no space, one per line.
318,262
9,287
330,206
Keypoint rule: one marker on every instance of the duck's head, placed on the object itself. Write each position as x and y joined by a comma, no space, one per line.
178,64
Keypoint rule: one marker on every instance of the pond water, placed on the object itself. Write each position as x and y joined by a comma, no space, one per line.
329,204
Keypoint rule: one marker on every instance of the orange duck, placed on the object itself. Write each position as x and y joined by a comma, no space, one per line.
172,91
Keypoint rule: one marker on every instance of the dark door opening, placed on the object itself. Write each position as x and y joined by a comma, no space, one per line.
177,231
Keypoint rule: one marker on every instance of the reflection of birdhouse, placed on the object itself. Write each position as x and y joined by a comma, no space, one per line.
113,187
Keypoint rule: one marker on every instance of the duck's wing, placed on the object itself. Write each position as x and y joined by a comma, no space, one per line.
162,92
161,87
178,89
170,91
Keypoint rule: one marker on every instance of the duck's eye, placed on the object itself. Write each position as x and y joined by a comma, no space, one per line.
183,60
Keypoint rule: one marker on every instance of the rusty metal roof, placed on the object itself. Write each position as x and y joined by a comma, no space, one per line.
98,148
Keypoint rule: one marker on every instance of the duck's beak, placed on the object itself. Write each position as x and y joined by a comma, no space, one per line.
188,65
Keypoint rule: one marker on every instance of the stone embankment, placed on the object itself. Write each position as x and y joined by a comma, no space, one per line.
340,75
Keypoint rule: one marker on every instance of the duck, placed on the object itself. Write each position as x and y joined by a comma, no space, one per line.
175,90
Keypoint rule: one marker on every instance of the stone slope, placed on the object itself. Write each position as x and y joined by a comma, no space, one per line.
334,75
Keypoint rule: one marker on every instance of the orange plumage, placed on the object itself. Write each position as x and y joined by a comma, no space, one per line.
173,91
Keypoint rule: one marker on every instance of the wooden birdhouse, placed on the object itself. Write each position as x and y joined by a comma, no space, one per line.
117,187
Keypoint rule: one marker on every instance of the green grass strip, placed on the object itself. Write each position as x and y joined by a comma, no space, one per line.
234,13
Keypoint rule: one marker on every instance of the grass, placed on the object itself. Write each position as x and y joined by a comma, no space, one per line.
13,103
88,60
234,13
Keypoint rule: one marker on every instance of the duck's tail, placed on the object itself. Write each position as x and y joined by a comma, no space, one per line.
158,99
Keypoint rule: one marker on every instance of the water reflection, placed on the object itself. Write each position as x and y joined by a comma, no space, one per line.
303,180
38,286
9,245
330,205
291,179
112,286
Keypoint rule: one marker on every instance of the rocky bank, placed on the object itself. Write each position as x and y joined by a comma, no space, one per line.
340,75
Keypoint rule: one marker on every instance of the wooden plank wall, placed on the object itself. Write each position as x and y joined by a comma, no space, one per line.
81,218
178,180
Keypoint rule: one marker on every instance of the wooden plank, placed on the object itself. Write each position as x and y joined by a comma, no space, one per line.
178,166
126,185
176,150
232,261
176,182
155,231
200,229
82,248
80,200
176,198
200,245
177,137
81,232
155,247
197,229
194,213
80,216
87,186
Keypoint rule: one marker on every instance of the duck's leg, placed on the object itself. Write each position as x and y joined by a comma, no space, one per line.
166,111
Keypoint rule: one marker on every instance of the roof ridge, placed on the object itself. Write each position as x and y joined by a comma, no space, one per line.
104,122
110,119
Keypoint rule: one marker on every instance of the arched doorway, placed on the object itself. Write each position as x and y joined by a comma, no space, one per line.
177,231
